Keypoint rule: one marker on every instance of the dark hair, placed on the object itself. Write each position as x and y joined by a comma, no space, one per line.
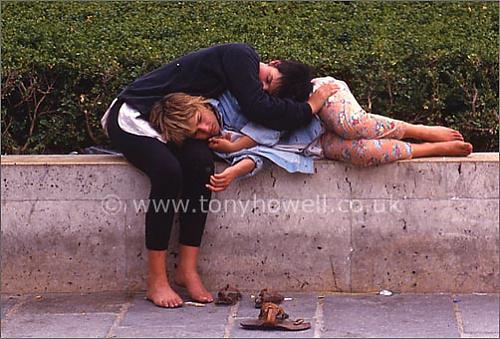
295,82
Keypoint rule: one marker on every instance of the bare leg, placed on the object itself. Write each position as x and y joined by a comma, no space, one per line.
432,133
187,275
159,290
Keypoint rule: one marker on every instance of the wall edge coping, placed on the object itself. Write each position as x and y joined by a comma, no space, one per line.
104,159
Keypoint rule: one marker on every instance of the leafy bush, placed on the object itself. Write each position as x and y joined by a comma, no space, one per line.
63,62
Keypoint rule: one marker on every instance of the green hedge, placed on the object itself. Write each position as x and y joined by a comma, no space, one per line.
423,62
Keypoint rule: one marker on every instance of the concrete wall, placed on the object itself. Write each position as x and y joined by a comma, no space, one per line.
70,223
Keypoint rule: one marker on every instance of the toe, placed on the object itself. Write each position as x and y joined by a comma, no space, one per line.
177,304
467,148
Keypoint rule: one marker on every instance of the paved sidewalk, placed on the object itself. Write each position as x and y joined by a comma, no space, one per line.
334,315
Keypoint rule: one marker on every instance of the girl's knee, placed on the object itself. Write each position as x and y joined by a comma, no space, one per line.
197,158
352,152
332,146
357,154
166,175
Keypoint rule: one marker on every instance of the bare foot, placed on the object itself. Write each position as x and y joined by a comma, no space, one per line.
446,148
438,133
454,148
161,294
192,282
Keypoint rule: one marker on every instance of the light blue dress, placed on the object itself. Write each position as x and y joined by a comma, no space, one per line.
289,150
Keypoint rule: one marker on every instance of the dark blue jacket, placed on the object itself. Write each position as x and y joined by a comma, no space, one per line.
209,72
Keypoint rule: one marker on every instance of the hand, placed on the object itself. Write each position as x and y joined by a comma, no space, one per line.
220,144
220,181
318,98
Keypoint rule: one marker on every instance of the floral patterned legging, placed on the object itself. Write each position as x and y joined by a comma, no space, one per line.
357,137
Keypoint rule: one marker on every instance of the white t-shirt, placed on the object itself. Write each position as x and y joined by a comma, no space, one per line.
129,121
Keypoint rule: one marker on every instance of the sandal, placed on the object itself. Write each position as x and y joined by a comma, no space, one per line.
268,295
272,316
228,296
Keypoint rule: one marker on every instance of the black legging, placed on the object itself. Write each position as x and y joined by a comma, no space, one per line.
174,171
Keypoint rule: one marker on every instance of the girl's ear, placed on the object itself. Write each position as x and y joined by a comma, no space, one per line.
274,63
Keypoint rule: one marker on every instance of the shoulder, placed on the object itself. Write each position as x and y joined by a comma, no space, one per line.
228,99
238,47
240,50
229,48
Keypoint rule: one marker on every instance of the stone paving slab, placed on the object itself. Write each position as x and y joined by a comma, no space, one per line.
200,331
7,302
480,313
302,306
119,314
61,314
84,325
107,302
480,335
385,317
143,319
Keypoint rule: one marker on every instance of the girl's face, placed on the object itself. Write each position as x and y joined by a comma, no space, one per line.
205,123
269,76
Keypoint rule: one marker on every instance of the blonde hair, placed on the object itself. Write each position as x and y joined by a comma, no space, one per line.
171,114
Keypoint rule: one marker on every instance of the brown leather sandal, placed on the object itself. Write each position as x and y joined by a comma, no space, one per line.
271,317
228,296
268,296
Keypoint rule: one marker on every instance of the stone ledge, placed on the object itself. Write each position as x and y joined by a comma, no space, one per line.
91,159
435,228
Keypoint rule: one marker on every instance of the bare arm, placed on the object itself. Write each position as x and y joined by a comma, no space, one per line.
220,181
225,146
242,143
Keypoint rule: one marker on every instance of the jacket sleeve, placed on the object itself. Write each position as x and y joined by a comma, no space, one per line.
241,67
